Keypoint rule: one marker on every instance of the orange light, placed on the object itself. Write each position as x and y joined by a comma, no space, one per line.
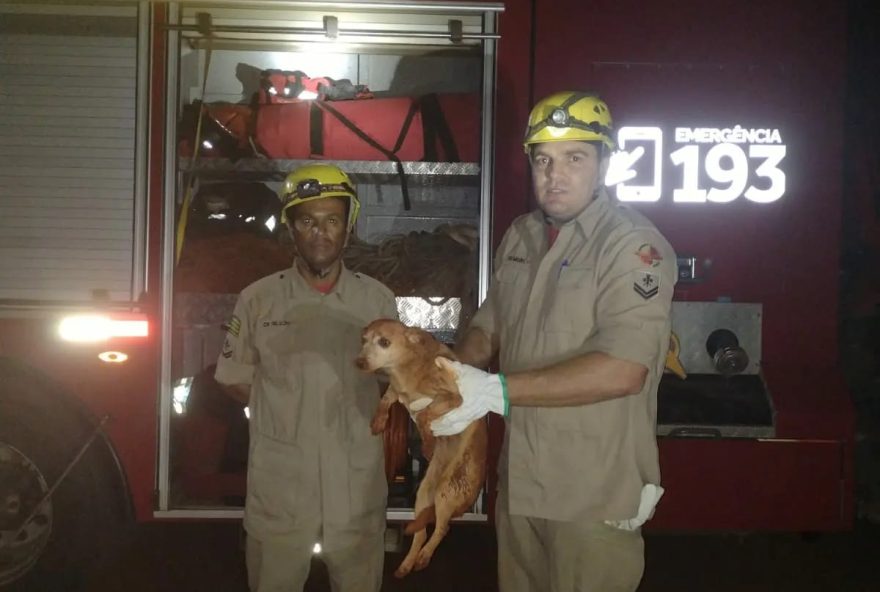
91,328
113,357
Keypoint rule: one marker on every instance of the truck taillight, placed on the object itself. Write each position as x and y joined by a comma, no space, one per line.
93,328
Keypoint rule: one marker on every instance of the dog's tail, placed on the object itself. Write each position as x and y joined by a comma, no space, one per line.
424,518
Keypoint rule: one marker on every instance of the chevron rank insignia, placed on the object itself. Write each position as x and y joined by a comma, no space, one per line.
646,284
233,327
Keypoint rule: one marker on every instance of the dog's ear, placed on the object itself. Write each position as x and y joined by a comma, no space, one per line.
414,336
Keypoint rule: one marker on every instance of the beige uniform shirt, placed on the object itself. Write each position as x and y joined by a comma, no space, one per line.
604,286
314,466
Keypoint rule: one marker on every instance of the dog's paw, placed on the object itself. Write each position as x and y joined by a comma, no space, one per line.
403,570
422,560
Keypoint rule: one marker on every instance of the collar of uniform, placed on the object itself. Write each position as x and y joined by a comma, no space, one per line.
342,288
592,214
344,285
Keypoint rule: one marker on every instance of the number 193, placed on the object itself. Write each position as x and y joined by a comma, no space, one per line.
727,164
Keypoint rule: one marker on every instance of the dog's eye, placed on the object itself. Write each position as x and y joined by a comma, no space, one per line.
383,342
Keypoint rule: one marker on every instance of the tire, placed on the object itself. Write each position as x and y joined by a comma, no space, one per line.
83,519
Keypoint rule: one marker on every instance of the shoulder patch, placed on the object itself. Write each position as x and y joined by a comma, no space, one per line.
227,349
646,284
649,255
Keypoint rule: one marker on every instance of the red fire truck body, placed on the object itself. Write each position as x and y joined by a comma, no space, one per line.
671,69
718,65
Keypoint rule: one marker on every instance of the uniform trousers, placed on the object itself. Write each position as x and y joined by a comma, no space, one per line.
539,555
281,564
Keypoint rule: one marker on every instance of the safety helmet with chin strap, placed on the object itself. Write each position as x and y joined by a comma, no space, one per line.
570,115
318,181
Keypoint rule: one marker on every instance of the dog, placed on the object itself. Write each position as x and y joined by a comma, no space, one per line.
457,467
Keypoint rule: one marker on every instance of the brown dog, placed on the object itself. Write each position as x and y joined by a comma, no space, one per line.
458,463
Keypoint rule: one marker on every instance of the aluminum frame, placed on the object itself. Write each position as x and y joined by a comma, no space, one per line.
486,170
172,58
372,5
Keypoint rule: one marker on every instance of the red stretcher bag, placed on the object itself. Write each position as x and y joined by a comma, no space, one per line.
452,126
282,130
443,127
378,129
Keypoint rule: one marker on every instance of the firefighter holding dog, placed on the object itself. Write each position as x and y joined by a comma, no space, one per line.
315,471
579,315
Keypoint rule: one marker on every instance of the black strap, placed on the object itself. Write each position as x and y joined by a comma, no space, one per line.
407,205
437,127
593,126
316,130
404,130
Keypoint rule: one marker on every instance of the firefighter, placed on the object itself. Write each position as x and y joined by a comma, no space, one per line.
579,314
315,471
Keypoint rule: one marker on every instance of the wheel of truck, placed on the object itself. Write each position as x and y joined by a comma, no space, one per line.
22,487
77,524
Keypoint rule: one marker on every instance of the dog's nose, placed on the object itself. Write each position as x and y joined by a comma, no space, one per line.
361,363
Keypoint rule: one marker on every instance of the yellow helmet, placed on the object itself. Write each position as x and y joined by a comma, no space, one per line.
318,181
570,115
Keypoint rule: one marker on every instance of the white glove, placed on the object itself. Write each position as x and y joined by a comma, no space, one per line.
481,393
651,494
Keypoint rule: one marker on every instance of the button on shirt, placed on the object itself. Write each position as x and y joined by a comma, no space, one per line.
314,464
605,285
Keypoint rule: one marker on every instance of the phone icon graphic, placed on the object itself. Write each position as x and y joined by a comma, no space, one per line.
647,164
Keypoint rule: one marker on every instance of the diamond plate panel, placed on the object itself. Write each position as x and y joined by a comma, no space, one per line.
430,314
693,322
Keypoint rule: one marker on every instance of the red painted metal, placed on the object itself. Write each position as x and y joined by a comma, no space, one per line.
125,392
773,64
695,64
748,485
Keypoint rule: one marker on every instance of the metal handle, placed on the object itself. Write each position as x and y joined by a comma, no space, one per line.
341,32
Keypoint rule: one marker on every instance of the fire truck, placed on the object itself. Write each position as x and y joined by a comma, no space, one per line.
143,144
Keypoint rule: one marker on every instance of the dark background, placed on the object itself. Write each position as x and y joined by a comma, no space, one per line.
860,260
